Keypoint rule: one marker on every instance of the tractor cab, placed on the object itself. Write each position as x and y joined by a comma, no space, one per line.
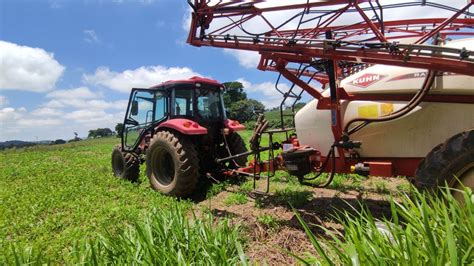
198,100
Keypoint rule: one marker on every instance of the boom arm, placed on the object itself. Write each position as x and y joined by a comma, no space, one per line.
300,37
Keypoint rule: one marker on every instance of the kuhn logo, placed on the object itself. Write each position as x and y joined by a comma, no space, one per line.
366,80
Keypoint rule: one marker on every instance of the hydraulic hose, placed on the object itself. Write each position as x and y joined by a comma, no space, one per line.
331,155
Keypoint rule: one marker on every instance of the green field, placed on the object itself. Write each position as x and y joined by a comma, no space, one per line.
61,204
55,196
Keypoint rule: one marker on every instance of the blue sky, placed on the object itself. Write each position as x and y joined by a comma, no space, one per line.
67,66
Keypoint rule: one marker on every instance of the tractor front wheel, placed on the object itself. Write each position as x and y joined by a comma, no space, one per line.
447,163
125,165
172,164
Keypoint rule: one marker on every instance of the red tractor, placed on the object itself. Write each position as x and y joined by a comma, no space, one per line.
178,128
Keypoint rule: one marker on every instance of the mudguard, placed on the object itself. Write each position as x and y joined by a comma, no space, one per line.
184,126
233,125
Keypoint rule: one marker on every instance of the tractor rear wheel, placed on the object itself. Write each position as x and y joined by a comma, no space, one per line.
237,146
448,162
172,164
125,165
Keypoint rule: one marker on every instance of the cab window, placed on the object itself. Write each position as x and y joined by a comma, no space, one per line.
183,102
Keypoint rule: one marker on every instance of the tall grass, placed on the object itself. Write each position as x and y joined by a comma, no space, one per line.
423,230
164,237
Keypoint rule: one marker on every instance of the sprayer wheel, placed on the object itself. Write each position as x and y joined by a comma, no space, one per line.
449,162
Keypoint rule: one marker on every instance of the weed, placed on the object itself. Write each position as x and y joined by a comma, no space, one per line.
291,196
424,230
405,187
269,221
337,183
381,187
216,188
164,236
236,199
247,186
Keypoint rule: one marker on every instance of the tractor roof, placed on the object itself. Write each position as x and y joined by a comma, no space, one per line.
192,80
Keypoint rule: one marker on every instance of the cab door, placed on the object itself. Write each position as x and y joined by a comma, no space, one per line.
146,108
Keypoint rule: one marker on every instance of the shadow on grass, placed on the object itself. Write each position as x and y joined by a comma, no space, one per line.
320,211
285,197
207,187
324,212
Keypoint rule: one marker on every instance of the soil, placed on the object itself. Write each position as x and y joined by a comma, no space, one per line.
270,245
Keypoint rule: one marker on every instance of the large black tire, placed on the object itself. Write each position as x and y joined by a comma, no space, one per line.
125,165
451,159
237,146
172,164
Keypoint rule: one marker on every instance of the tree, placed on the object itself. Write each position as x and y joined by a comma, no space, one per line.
239,106
59,141
100,132
299,105
118,129
244,110
76,138
234,93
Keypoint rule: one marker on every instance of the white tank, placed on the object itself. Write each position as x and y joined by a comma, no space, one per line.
412,135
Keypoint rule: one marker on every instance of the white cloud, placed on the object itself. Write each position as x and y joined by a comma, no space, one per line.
247,59
3,100
54,104
17,123
142,77
265,92
90,119
86,115
50,123
77,93
90,36
31,123
27,68
81,98
10,114
46,111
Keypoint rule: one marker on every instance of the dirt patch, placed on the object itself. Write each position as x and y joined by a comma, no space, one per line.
268,240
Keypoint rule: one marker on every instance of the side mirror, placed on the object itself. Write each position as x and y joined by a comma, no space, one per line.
134,110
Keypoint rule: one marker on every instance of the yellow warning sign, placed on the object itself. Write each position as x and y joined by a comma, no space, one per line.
368,111
386,108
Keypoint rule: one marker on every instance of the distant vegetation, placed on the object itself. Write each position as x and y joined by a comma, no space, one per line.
17,144
245,110
240,107
100,132
118,129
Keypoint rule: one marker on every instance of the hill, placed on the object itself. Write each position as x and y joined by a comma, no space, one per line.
15,144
